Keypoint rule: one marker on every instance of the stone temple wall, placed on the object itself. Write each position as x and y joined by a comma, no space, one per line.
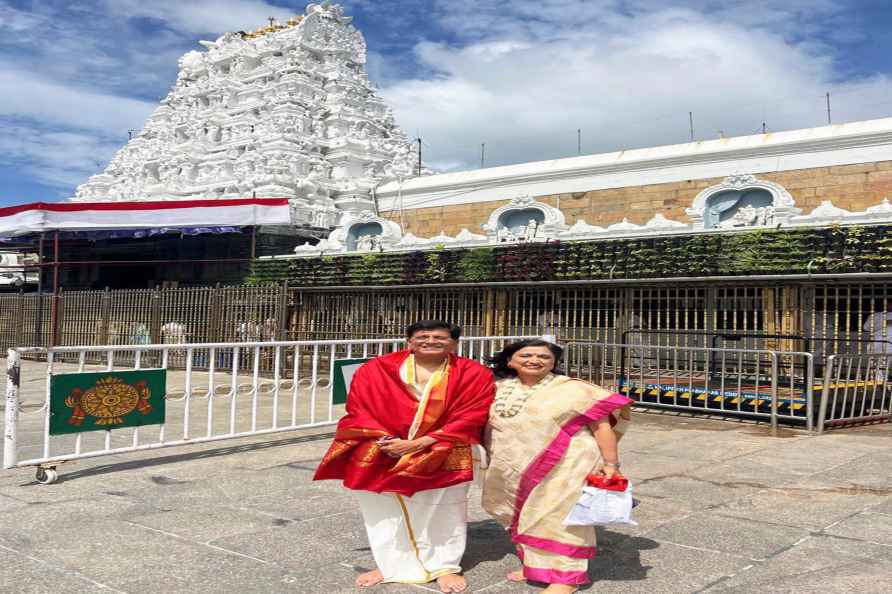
850,187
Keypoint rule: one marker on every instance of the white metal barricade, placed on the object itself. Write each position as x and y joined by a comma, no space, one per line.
857,389
214,392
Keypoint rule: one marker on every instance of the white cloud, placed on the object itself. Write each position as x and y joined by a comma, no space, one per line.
57,159
49,103
59,134
14,22
529,74
202,16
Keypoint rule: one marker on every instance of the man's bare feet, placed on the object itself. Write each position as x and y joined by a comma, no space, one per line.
370,578
516,576
452,583
560,589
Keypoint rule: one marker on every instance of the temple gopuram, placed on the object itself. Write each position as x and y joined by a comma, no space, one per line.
286,111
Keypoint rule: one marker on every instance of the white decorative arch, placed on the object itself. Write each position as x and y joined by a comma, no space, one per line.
783,206
552,225
390,235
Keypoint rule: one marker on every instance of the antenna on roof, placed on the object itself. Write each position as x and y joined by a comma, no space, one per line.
578,141
482,155
691,119
829,120
418,140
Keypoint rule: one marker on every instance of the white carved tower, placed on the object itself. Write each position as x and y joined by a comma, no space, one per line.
286,111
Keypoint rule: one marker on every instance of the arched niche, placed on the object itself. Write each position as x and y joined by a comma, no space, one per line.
360,233
363,232
723,207
517,221
511,222
742,201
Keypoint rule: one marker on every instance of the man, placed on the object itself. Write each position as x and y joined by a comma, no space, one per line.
404,447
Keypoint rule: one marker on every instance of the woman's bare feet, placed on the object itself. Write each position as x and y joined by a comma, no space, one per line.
452,583
370,578
560,589
516,576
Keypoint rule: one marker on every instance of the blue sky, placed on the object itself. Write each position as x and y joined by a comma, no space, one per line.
521,76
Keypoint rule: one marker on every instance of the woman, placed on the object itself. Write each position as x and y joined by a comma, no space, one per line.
546,434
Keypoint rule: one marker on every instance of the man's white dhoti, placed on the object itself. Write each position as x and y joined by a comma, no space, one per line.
416,539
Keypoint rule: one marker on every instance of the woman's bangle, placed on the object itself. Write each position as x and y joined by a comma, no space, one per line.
612,464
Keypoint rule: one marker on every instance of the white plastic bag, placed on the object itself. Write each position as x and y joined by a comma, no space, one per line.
601,507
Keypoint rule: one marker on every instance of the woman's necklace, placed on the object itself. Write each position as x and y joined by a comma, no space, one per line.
512,396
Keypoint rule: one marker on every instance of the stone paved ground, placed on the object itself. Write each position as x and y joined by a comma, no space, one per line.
725,507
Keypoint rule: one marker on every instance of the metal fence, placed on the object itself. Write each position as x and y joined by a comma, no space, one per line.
822,319
792,319
856,389
221,392
160,316
757,384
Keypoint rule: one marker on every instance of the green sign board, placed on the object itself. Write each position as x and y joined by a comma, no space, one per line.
343,376
106,400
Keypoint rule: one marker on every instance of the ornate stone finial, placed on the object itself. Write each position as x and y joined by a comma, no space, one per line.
580,226
625,225
522,200
739,180
827,210
883,208
659,221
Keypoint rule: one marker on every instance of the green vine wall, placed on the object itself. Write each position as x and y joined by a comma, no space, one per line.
795,251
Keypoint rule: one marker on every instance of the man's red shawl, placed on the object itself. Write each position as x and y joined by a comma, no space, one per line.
381,405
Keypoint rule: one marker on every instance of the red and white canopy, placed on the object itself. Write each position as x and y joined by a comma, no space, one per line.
97,216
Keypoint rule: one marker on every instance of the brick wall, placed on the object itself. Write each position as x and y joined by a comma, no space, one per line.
852,187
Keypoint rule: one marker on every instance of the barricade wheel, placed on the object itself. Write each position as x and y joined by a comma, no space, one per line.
47,476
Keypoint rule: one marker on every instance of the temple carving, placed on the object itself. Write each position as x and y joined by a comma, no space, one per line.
285,111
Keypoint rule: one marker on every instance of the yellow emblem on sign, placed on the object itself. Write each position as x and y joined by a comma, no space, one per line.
109,401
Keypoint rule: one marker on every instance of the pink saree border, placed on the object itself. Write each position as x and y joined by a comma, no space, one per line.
552,576
555,576
545,462
554,546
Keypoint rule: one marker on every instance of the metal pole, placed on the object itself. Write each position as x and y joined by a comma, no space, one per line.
38,326
10,434
829,120
774,383
825,392
419,155
691,119
54,315
253,242
809,391
482,155
578,141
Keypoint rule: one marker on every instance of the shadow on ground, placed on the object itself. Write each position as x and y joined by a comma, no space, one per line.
618,559
187,456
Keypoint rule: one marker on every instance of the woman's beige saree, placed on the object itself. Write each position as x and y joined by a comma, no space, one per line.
541,450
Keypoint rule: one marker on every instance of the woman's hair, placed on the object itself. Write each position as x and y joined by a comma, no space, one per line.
499,361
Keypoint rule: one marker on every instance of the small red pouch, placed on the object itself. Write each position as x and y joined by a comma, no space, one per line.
615,483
